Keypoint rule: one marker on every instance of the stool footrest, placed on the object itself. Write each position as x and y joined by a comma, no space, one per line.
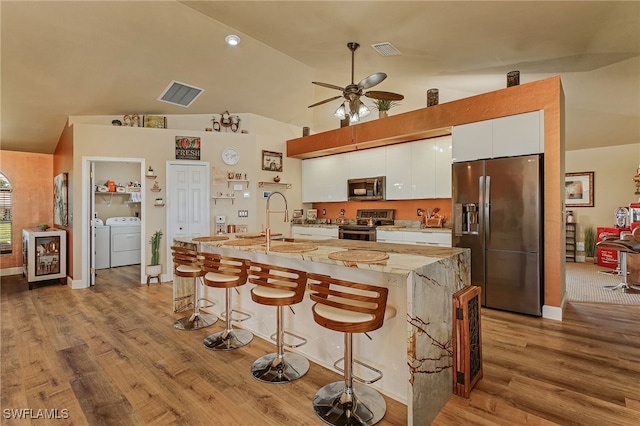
377,377
243,315
301,339
185,307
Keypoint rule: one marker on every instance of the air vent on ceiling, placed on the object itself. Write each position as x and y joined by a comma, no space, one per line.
180,94
386,49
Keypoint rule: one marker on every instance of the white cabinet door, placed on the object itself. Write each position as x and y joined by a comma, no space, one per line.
442,147
473,141
440,239
389,236
324,179
398,172
314,233
518,135
423,163
366,163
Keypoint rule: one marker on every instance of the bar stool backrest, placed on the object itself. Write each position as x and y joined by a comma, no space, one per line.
185,262
349,296
278,278
225,265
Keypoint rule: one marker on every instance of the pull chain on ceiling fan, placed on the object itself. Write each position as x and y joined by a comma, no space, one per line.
353,107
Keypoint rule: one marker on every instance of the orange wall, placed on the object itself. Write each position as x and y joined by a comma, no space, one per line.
404,209
31,176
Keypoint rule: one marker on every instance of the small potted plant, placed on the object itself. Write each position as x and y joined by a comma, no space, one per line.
589,244
155,268
150,171
383,106
159,201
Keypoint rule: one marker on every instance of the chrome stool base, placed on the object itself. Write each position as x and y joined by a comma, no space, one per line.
271,369
335,406
195,322
227,340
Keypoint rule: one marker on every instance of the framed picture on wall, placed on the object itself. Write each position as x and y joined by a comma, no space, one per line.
60,200
272,161
578,189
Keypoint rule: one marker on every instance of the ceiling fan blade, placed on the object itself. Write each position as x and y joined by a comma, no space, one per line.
372,80
330,86
386,96
325,101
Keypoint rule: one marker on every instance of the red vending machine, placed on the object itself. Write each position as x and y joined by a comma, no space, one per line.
607,257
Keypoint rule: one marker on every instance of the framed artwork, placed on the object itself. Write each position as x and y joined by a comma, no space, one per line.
272,161
60,199
155,121
578,189
312,215
187,148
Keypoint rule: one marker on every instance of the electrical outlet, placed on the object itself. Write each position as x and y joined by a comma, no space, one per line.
243,213
324,211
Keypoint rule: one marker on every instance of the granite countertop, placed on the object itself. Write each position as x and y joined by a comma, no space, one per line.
403,258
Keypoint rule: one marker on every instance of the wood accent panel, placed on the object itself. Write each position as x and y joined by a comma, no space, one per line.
110,355
544,95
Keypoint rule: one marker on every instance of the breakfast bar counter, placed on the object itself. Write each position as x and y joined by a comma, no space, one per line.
414,349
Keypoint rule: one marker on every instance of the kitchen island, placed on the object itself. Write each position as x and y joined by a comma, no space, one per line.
414,349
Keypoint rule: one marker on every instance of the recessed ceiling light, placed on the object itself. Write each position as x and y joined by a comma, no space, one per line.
232,40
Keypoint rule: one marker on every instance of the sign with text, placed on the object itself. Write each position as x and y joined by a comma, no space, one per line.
187,148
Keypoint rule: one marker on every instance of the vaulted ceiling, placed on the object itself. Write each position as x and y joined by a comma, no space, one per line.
114,58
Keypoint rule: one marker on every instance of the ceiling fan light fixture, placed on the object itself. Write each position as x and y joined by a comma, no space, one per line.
341,112
232,40
363,111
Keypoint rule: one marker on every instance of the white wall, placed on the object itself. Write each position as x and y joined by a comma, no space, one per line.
157,146
614,168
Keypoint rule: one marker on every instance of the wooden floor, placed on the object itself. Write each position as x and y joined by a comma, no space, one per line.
109,355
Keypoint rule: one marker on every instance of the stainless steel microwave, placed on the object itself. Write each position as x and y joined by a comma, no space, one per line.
366,189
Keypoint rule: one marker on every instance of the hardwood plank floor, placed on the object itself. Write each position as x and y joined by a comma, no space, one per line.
110,356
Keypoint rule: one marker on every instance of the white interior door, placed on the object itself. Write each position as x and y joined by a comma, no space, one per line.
188,200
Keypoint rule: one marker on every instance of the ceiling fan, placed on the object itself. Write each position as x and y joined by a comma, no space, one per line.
352,92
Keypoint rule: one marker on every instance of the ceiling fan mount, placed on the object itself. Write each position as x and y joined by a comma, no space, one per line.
352,92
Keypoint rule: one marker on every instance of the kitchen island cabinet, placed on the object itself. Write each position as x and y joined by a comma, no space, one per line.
413,349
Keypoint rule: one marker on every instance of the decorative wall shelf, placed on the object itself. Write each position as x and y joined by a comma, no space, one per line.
215,199
274,185
229,181
151,176
158,205
156,189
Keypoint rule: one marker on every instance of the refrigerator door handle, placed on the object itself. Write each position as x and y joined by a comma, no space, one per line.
487,208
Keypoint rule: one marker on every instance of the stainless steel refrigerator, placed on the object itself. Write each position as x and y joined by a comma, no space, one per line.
497,213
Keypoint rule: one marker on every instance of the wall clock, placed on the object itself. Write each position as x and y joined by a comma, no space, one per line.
230,156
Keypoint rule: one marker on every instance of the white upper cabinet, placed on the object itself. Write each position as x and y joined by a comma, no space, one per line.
366,163
443,148
423,169
398,172
519,134
511,136
473,141
324,179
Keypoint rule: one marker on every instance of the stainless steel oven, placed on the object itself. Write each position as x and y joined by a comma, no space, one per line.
366,222
357,232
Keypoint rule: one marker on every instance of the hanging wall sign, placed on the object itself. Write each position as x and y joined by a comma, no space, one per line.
187,148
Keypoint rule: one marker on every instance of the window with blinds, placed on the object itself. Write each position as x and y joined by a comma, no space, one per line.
6,214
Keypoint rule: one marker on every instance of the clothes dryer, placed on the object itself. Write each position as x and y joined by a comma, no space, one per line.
125,240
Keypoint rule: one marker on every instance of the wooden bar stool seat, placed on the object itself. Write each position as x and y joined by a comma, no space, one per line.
228,273
280,287
186,265
349,307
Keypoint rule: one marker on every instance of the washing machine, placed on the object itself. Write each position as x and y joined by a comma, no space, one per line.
125,240
102,250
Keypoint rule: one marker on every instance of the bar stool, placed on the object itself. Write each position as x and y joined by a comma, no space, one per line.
349,307
280,287
186,265
228,273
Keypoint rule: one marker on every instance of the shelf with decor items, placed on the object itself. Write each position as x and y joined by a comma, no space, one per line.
570,236
215,199
274,185
242,181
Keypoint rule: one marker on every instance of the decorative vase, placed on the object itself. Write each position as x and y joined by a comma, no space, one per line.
383,114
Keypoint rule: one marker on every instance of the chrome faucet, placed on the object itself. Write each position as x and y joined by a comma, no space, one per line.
268,212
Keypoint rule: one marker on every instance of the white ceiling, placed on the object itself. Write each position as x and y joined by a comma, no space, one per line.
114,58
